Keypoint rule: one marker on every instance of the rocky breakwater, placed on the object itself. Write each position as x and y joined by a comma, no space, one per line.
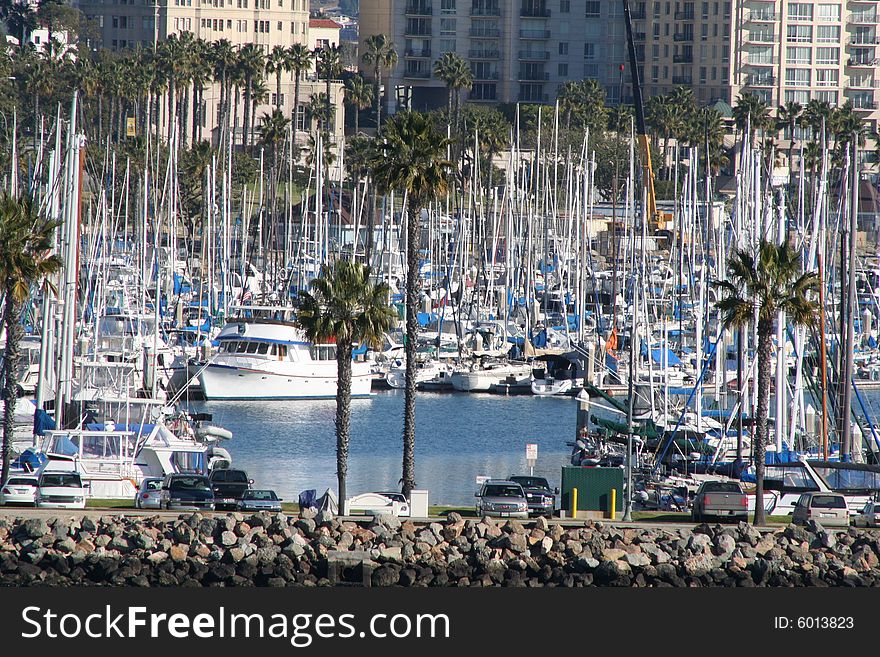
320,550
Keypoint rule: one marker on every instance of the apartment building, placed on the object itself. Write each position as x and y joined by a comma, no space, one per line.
128,24
522,50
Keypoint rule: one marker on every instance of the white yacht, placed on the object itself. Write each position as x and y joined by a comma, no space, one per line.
262,354
482,378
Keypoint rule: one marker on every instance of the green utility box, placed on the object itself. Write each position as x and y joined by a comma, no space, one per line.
594,488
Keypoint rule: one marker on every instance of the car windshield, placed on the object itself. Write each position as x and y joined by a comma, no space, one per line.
721,487
189,483
397,497
503,491
21,481
236,477
829,502
531,482
61,481
260,495
153,484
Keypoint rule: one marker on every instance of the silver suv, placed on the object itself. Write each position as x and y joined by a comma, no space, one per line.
501,498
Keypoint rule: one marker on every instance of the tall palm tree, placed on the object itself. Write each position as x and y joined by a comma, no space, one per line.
359,95
277,62
223,59
300,60
344,305
456,74
26,242
273,131
751,110
379,53
328,62
788,117
759,286
411,157
816,114
250,62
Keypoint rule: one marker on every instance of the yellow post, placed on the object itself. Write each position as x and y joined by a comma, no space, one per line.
613,502
574,502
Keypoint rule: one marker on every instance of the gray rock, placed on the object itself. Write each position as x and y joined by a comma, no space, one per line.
33,528
228,539
637,559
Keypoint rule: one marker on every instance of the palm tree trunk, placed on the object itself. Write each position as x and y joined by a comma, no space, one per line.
278,88
246,140
184,109
295,113
765,332
377,89
235,115
343,413
11,358
357,112
412,331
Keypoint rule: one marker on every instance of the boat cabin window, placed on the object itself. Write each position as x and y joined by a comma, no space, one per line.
282,351
263,348
792,479
324,352
252,347
273,350
849,479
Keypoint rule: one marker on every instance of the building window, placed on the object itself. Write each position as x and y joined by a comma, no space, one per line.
828,33
563,47
301,122
447,7
564,6
800,11
589,51
827,77
800,33
798,55
829,13
797,77
277,99
593,9
562,70
826,55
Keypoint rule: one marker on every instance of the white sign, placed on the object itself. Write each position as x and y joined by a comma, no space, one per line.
482,479
531,452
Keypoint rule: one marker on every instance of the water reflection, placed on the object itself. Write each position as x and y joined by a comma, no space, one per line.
290,446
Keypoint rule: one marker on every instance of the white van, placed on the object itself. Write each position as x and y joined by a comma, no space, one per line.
61,489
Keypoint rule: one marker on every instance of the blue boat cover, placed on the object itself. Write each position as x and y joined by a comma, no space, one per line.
308,499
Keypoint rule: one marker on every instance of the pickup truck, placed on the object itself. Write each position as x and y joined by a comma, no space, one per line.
720,499
229,486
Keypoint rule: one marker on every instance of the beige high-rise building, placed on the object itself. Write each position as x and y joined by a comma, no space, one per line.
522,50
127,24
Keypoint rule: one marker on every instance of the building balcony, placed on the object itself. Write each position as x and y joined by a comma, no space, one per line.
485,32
863,62
420,33
530,98
533,56
862,18
684,36
534,34
857,83
639,36
534,12
864,40
682,79
417,75
637,15
684,15
683,59
485,11
865,105
534,76
418,9
424,52
489,76
762,17
765,37
762,81
484,54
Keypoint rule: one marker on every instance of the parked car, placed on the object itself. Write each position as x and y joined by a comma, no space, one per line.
502,498
19,489
187,491
869,516
61,489
828,509
539,496
259,500
149,495
403,508
721,499
229,486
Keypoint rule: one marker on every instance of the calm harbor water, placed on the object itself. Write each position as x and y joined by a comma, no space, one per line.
290,446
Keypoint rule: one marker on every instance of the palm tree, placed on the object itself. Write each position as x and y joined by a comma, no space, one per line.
328,62
300,61
277,62
412,157
344,305
360,95
250,62
273,131
759,286
816,115
456,74
223,58
788,117
751,110
379,53
26,242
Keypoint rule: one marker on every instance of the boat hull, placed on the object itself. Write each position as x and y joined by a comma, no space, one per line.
226,382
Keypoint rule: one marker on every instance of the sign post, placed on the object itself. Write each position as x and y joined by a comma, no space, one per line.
531,457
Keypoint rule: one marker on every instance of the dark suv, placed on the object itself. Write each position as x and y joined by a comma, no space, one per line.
540,497
187,491
229,486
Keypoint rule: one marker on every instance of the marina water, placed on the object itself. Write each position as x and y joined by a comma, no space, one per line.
290,446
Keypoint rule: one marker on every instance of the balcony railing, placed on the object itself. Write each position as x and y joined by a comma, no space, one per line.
418,9
485,32
534,12
484,54
530,55
862,19
531,98
684,15
867,105
682,79
762,16
534,76
637,15
864,40
858,63
762,81
422,75
857,83
487,75
423,52
417,32
485,11
762,37
534,34
684,36
683,59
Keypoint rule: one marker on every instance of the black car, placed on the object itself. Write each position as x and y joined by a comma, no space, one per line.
187,491
540,497
229,486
